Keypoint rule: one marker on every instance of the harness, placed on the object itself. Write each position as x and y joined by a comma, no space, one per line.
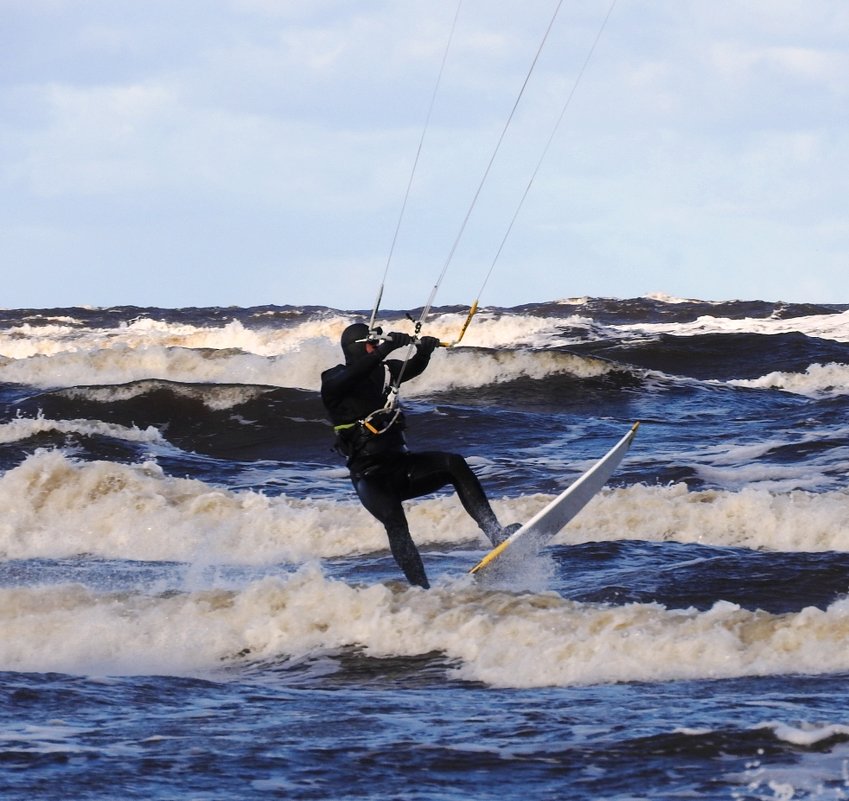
366,422
373,424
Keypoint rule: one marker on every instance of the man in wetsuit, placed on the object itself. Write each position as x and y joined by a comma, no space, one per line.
371,437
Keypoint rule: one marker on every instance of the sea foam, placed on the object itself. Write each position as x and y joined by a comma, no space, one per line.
553,642
54,506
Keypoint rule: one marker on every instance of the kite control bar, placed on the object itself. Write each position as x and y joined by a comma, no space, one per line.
376,333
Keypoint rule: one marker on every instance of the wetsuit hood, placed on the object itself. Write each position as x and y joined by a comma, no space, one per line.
353,342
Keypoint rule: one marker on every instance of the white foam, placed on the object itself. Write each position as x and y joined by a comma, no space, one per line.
497,347
672,300
812,771
567,643
818,380
212,396
748,518
552,642
467,368
489,329
293,355
22,428
295,361
806,734
54,506
825,326
495,330
119,365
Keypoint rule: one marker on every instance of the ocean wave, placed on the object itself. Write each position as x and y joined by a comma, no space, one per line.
554,642
213,397
500,345
490,329
817,381
55,507
807,735
718,356
239,422
301,368
748,518
834,326
122,365
23,428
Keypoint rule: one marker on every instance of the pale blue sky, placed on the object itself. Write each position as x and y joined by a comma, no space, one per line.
241,152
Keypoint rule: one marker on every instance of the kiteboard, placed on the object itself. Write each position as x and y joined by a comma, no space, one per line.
546,523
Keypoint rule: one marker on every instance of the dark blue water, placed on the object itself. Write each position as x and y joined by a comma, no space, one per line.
192,605
393,730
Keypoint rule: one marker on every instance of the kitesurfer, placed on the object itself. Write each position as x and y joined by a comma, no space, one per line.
370,434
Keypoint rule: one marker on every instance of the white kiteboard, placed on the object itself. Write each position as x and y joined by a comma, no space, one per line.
545,524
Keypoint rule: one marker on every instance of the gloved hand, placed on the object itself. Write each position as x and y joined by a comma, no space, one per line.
428,345
396,340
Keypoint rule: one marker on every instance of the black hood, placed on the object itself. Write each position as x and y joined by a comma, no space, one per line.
353,342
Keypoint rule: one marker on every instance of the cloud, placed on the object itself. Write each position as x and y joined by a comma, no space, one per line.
704,152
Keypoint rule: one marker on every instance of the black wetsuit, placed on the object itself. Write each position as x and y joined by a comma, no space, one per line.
384,473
